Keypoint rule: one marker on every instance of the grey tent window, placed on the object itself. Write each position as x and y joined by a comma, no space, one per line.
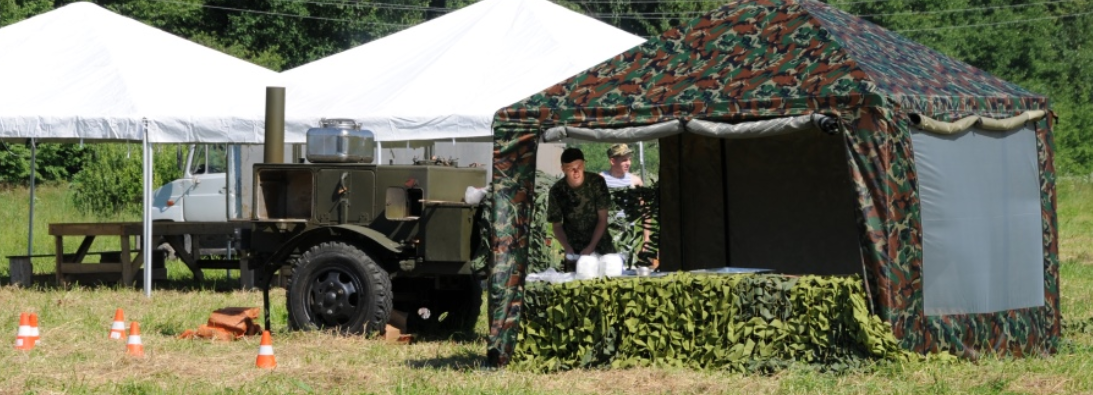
981,221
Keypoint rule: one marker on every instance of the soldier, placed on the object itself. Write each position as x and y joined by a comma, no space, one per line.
619,177
577,210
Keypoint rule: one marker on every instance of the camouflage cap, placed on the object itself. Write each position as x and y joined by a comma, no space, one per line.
618,150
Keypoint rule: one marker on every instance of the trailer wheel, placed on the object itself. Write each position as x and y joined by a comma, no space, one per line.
337,286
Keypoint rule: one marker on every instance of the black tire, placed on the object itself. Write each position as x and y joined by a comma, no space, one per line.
337,286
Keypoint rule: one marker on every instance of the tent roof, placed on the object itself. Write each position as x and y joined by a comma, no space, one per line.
447,77
83,72
763,57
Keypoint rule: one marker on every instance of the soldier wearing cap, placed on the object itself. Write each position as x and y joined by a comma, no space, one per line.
577,209
619,176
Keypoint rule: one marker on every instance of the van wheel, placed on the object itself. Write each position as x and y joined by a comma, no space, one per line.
337,286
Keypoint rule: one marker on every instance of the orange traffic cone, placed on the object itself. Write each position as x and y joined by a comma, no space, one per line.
134,346
117,329
34,334
22,338
265,353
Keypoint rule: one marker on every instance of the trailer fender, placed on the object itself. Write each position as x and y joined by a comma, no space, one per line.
363,236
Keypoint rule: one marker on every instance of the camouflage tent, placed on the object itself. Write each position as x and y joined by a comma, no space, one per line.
889,193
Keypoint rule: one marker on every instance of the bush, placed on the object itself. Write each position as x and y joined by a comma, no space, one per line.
111,181
54,162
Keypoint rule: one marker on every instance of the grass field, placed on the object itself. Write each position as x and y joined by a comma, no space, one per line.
75,356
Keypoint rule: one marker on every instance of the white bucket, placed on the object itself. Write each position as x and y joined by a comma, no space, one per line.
612,265
587,267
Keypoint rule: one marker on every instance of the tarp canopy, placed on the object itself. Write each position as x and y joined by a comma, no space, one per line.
81,72
810,202
84,72
445,78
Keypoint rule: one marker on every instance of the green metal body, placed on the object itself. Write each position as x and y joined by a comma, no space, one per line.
411,219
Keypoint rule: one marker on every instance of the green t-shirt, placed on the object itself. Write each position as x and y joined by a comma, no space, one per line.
577,210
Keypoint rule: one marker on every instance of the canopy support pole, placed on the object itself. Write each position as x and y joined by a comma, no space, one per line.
33,170
146,234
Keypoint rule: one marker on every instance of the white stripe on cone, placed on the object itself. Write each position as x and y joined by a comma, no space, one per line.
116,329
22,335
265,350
134,339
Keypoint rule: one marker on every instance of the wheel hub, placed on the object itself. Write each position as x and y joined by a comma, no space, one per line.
334,298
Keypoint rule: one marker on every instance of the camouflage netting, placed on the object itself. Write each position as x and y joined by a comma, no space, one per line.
766,59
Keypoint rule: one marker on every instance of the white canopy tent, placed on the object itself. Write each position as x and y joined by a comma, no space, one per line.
445,78
81,72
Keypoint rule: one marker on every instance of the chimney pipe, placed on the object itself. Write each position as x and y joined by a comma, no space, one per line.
275,125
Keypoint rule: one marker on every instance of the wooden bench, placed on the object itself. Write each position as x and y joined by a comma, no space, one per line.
21,267
121,265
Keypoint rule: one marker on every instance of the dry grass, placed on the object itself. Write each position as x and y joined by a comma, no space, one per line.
76,357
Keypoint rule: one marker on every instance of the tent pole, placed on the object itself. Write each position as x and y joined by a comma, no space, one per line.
30,223
146,234
641,158
379,152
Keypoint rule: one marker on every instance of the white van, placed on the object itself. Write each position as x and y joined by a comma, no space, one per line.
203,193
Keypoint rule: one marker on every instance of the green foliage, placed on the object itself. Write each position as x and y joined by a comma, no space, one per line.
641,17
542,252
111,181
54,162
641,210
14,163
59,162
743,323
300,32
12,11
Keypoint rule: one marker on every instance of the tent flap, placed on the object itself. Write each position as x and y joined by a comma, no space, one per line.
630,134
765,128
931,125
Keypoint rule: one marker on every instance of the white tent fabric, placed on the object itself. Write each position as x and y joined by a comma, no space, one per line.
81,72
84,72
447,77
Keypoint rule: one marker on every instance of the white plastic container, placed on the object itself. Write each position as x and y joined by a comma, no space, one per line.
611,265
588,267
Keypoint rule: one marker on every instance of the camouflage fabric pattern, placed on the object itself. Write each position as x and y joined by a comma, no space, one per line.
577,210
1016,332
774,58
513,188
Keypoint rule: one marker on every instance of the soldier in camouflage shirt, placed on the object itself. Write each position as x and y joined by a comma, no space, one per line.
577,209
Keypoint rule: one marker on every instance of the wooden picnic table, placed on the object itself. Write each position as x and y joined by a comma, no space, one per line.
128,261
